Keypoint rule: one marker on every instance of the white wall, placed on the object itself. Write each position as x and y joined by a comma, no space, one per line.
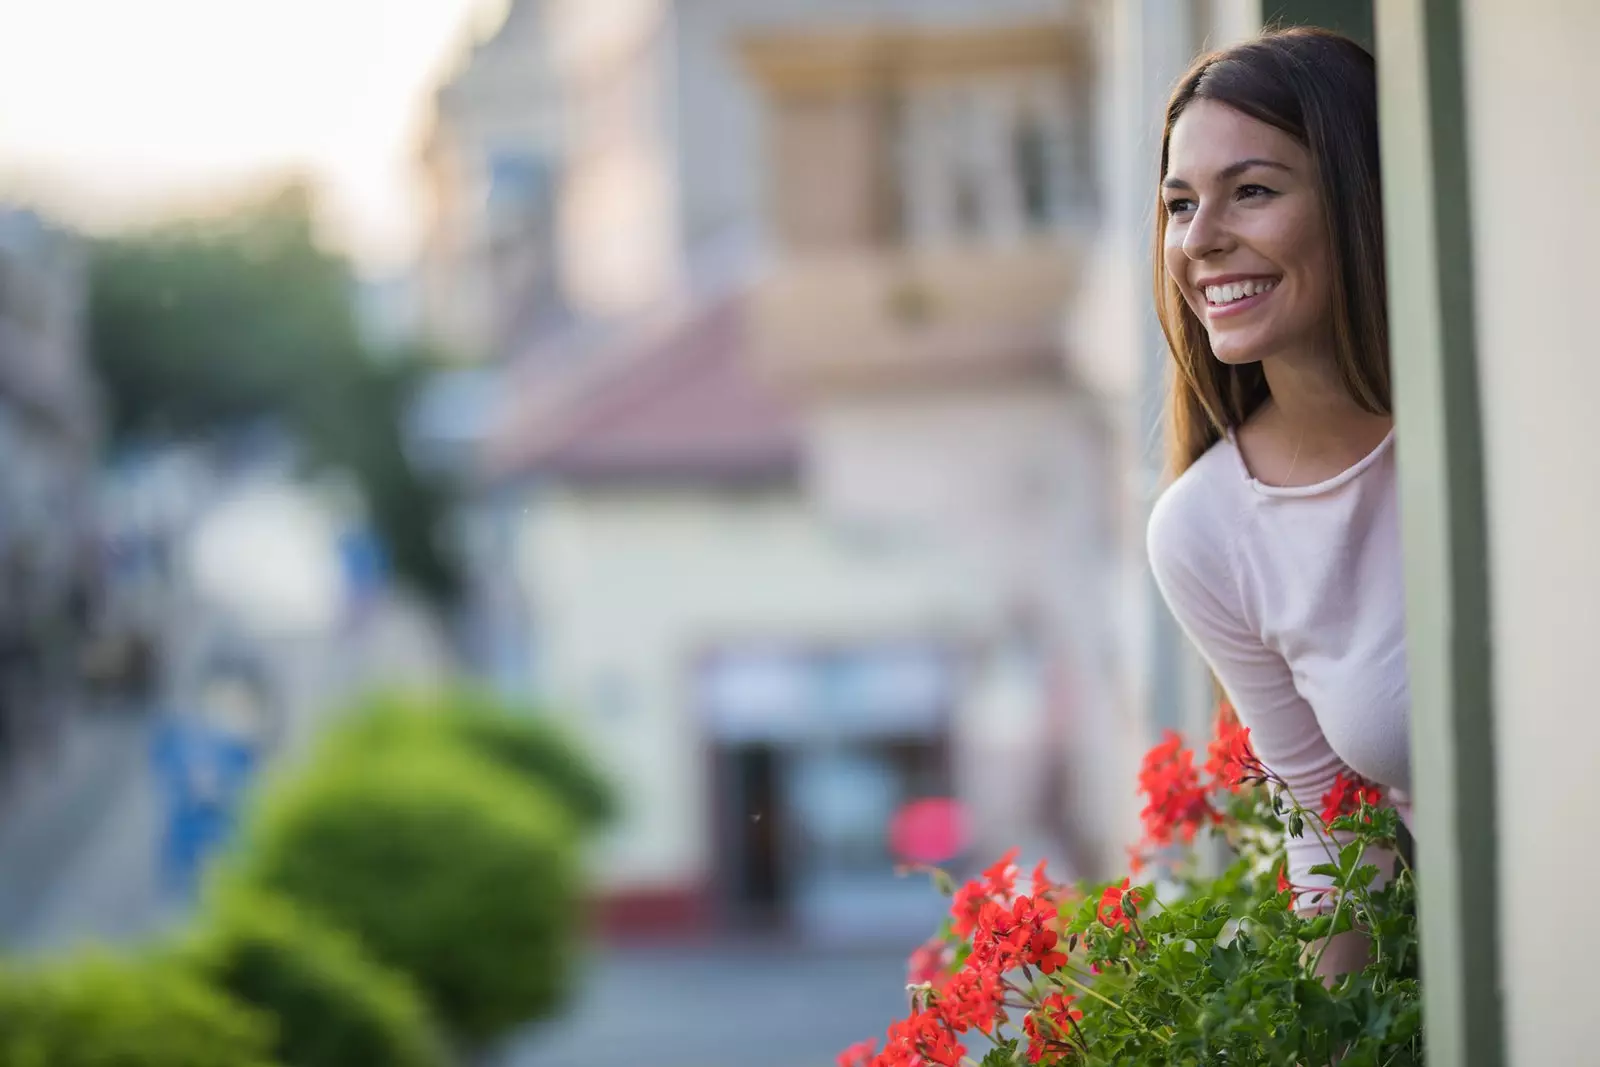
1534,138
618,221
629,588
1014,479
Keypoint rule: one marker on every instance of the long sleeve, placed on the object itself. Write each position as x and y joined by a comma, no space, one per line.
1189,557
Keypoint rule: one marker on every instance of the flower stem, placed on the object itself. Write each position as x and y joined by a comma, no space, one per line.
1096,994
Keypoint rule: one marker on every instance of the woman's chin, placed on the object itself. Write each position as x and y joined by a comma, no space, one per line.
1233,356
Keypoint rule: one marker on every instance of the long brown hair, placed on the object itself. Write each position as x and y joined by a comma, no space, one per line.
1320,88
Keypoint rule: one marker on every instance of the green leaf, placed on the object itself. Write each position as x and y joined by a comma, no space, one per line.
1227,962
1002,1055
1349,856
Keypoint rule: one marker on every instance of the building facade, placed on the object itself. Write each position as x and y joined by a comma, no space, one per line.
49,433
489,166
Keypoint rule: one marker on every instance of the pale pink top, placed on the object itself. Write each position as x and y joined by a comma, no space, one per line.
1295,597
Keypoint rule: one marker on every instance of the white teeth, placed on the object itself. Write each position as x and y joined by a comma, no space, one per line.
1227,294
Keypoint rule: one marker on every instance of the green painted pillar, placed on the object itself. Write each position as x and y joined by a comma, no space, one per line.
1351,17
1428,224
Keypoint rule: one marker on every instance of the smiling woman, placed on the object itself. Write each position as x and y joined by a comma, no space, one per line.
1277,546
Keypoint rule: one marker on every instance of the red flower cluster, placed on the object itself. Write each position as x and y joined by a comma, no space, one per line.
1347,795
1231,762
1008,932
917,1041
929,963
1021,935
1048,1027
999,882
1113,911
1175,801
858,1055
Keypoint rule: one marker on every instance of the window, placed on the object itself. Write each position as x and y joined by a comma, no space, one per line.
985,160
1030,161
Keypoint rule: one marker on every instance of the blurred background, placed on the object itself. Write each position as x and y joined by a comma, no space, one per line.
633,449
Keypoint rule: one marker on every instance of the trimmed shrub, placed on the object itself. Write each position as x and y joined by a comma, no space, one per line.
100,1012
443,867
522,741
334,1006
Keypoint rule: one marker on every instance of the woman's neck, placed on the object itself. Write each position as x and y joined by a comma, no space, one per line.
1311,395
1313,418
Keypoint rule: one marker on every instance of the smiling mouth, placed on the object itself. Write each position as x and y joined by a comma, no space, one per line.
1223,296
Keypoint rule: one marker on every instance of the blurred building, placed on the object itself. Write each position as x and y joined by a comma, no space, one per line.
767,683
48,434
932,184
792,501
489,166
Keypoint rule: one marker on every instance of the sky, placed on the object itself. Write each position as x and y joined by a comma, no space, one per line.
120,111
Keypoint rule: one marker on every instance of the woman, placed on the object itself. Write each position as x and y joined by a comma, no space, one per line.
1277,547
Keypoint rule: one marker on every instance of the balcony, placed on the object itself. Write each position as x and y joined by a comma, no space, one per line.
896,319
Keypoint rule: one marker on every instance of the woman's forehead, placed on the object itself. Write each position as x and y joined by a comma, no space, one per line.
1210,137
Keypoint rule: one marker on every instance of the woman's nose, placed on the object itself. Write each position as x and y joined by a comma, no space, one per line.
1207,235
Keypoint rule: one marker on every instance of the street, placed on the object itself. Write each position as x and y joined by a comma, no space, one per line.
77,866
736,1005
80,827
78,843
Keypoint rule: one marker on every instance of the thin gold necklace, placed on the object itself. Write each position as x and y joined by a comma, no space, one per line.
1294,460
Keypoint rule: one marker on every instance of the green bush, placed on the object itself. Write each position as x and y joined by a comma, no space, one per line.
99,1012
334,1006
442,866
523,741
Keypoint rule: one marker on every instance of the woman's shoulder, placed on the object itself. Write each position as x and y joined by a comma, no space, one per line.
1198,517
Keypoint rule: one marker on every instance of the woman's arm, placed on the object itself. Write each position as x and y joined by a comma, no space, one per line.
1195,575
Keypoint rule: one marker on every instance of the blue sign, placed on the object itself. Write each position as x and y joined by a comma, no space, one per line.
202,773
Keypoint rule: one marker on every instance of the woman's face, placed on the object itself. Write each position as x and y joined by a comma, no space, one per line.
1246,242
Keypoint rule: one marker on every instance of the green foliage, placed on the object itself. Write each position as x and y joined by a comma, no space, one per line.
333,1005
1216,970
523,741
1209,982
99,1012
1227,972
444,867
199,327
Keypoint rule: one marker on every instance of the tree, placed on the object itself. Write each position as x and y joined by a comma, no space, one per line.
202,326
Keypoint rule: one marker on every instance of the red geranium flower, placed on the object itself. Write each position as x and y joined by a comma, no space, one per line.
1175,802
974,1000
858,1055
917,1040
1047,1027
1018,936
1000,880
1347,795
1230,761
928,963
1111,911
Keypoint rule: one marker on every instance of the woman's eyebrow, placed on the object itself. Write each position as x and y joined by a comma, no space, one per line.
1232,170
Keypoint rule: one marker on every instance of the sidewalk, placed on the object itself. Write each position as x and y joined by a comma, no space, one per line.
740,1004
77,840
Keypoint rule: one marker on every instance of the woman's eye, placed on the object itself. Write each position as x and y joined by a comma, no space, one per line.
1178,205
1251,191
